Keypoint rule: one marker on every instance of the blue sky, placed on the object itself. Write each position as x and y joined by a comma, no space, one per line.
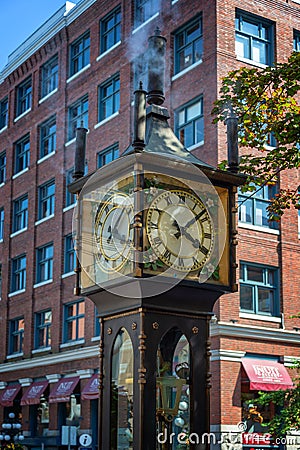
19,19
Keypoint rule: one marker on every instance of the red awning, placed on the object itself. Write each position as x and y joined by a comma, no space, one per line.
91,389
9,394
266,375
33,393
63,389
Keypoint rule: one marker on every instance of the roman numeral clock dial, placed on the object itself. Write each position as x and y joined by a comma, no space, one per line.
180,230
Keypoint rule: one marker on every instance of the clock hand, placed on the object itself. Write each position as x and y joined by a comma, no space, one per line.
183,232
195,218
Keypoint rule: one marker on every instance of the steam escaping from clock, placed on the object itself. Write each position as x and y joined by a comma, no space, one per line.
144,232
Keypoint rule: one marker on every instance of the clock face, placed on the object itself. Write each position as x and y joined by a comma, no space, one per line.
180,230
114,232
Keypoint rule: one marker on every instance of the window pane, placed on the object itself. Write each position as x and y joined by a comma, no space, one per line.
246,298
193,111
265,300
259,51
250,28
246,211
242,47
255,274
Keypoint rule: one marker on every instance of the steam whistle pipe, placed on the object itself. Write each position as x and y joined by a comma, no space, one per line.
80,153
156,68
232,143
139,120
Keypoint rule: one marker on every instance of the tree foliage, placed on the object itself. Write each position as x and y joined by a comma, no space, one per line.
287,403
265,102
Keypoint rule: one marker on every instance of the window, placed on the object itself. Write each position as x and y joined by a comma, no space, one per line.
70,198
0,281
79,54
254,39
259,289
74,321
108,155
49,77
1,224
3,113
253,206
189,122
110,28
20,214
70,259
44,264
43,322
78,116
22,154
18,273
2,167
16,335
188,45
24,96
144,10
296,42
46,200
109,98
48,137
97,322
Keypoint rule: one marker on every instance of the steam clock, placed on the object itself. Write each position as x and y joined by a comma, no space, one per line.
155,239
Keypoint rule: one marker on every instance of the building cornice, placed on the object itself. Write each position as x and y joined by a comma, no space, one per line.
255,332
47,360
42,35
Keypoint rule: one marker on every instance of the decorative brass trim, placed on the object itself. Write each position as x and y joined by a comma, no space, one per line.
195,330
155,325
134,326
109,330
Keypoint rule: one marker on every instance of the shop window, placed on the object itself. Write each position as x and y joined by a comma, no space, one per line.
188,45
49,77
79,53
18,273
110,30
259,289
189,123
254,39
20,214
44,262
253,206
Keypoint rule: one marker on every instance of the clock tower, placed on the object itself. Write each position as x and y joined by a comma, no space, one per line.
155,239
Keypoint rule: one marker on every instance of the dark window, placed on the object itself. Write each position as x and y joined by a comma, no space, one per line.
190,123
3,113
44,258
97,322
78,116
188,45
46,200
0,281
18,273
48,137
2,167
254,39
108,155
253,206
16,335
79,54
43,321
20,213
1,223
49,76
296,41
74,321
144,10
24,97
22,154
69,262
109,98
110,28
70,198
259,289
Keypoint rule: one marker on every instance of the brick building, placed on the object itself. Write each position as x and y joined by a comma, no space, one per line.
82,66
